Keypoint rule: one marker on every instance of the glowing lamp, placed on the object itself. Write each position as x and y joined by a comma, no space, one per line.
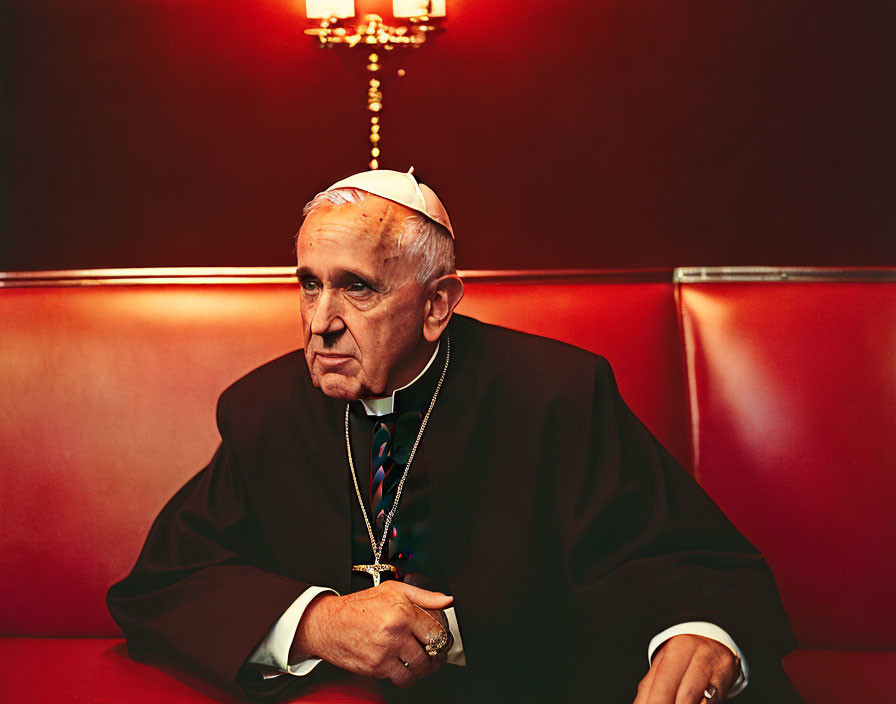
374,36
326,9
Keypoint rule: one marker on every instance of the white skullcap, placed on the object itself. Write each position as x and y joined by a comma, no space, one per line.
401,188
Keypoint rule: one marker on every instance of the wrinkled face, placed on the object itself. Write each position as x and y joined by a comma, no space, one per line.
362,308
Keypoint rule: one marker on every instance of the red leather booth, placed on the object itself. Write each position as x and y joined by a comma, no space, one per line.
792,391
777,387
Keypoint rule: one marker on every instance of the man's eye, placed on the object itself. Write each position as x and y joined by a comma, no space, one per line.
310,286
357,287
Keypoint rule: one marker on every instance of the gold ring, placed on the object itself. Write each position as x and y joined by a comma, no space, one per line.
710,692
437,641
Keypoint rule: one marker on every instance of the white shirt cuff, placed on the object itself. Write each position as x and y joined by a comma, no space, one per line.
707,630
273,650
456,654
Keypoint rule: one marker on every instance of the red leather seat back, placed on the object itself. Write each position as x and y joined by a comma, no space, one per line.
793,404
107,406
633,325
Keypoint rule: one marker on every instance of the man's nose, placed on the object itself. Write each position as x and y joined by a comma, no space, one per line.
327,316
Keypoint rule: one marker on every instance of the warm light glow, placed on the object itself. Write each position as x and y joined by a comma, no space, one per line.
419,8
374,35
324,9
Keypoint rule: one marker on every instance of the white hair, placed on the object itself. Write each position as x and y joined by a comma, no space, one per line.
431,245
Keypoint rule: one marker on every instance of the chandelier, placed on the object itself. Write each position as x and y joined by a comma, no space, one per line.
414,22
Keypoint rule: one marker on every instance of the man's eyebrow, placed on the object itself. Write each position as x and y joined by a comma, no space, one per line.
343,276
349,275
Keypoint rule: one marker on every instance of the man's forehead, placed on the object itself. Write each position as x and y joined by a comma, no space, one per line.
353,239
373,217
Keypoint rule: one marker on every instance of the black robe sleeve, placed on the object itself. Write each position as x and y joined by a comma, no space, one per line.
668,555
197,599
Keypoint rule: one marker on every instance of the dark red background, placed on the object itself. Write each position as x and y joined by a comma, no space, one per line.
604,133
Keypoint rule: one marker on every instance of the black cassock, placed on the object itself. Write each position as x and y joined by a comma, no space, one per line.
566,533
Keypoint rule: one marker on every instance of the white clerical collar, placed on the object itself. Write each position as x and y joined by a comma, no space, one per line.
386,404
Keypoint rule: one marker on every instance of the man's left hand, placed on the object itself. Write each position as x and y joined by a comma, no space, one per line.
683,668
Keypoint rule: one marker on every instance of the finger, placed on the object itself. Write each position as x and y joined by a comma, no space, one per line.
424,626
426,630
728,676
423,597
718,668
695,681
436,661
418,661
401,674
723,677
647,681
669,672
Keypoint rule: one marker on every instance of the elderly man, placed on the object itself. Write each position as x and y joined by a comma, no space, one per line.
423,489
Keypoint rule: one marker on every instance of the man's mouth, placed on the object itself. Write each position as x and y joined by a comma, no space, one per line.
329,359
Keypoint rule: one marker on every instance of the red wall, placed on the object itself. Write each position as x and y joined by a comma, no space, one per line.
605,133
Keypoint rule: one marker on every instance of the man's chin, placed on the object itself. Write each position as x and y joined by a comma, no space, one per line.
338,386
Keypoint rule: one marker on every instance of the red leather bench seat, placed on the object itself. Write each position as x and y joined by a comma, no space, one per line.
793,408
108,406
629,319
783,393
99,671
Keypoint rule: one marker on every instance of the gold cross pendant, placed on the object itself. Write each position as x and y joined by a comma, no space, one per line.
374,571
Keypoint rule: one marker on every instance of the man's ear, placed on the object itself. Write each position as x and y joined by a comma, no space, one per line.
446,293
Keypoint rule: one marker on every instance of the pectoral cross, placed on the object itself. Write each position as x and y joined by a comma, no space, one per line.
374,571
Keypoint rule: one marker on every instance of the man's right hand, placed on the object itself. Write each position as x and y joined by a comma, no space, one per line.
374,632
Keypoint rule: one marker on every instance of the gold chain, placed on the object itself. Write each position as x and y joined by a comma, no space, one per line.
378,551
